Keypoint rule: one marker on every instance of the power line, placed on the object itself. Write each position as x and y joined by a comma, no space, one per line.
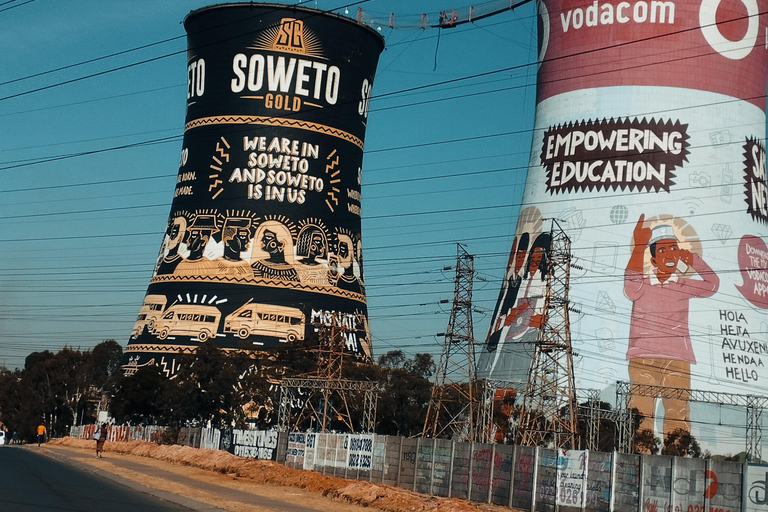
14,6
217,29
437,84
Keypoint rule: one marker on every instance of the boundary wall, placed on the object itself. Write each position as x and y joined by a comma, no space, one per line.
535,479
121,432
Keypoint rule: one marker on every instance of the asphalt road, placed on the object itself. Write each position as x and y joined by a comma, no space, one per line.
32,482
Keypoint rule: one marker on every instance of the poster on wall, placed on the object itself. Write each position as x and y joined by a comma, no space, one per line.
263,244
649,149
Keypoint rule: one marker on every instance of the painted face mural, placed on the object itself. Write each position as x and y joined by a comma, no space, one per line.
265,221
648,149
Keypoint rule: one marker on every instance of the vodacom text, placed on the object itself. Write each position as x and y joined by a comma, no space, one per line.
622,12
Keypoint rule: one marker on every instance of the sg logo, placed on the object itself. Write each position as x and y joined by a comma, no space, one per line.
362,106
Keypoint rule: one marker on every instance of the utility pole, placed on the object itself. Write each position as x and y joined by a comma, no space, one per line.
453,404
549,406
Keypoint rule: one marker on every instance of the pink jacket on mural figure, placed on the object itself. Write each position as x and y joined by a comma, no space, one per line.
659,324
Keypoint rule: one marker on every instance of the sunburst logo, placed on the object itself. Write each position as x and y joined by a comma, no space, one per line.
290,36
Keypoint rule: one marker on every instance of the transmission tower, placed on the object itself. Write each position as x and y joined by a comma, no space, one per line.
326,386
453,404
754,406
621,418
549,410
490,388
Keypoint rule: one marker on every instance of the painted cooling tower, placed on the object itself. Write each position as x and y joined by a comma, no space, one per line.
649,147
263,242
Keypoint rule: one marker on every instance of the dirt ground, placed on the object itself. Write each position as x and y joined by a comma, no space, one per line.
266,479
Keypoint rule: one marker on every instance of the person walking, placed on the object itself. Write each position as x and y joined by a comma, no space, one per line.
40,434
100,436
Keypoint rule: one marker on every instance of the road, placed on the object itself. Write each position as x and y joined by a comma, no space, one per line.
60,479
33,482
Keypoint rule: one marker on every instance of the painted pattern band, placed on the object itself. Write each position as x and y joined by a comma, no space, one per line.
275,121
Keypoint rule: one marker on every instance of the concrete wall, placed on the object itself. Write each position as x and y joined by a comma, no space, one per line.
522,477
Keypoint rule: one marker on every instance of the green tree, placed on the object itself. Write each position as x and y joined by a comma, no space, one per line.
680,442
646,442
405,393
421,365
106,358
103,373
55,388
393,359
70,374
138,399
20,407
43,375
208,390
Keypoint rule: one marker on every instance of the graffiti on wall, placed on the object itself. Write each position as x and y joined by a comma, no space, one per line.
255,444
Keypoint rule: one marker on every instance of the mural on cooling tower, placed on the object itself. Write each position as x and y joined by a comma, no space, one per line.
263,243
517,314
649,148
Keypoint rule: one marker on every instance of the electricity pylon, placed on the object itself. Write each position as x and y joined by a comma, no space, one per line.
548,414
453,404
328,385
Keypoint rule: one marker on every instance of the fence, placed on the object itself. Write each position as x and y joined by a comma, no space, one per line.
535,479
120,432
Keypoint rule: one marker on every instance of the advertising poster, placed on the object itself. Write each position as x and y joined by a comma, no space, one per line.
649,149
263,244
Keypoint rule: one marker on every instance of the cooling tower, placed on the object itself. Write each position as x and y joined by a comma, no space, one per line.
649,149
263,243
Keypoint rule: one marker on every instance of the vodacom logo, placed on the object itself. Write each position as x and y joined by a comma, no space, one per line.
735,50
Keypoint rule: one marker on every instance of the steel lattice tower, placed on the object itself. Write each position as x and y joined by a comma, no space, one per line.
549,410
621,418
753,405
328,384
453,405
486,407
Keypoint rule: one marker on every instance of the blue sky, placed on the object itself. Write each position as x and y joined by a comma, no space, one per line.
82,222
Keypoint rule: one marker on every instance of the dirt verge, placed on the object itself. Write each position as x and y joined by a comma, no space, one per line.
354,492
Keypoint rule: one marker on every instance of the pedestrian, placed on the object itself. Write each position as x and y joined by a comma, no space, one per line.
100,436
15,437
40,434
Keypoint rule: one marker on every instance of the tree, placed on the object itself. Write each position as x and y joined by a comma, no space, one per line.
393,359
405,393
421,365
106,358
69,373
680,442
20,407
646,442
255,391
54,388
44,376
213,387
137,399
